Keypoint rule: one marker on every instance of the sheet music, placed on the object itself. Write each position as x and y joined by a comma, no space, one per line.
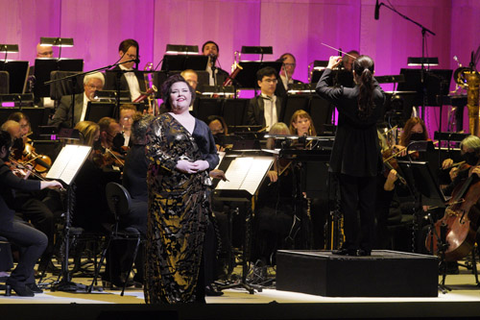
68,162
246,174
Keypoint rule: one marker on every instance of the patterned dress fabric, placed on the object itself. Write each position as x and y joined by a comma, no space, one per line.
177,210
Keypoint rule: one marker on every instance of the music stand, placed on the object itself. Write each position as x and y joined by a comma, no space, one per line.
184,62
4,82
18,74
98,110
247,77
234,111
340,77
43,69
208,106
109,95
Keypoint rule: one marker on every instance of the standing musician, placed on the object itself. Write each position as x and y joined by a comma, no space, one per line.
356,158
217,74
32,242
132,80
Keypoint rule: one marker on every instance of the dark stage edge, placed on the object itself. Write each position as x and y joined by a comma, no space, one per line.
403,310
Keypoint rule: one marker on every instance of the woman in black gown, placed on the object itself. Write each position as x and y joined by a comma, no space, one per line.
180,151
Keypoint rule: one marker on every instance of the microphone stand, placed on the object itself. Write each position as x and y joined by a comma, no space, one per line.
422,72
73,79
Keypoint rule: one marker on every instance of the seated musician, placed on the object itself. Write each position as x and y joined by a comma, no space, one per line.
127,111
111,137
274,206
44,51
36,207
31,241
132,80
286,73
302,124
63,115
219,130
414,130
265,109
216,74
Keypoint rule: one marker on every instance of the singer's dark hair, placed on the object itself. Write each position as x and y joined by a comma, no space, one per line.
5,139
266,72
364,67
126,44
167,89
213,42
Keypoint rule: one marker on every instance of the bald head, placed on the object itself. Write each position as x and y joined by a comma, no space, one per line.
44,51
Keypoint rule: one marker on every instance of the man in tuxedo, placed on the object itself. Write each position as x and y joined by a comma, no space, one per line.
265,109
131,80
63,115
216,75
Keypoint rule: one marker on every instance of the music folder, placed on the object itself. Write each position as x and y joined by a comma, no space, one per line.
245,175
68,163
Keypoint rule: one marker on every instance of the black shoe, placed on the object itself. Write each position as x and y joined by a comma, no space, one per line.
212,292
345,252
364,253
34,288
20,289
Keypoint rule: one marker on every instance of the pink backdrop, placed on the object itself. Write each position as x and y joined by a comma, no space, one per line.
296,26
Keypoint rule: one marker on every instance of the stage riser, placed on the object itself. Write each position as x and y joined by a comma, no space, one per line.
384,274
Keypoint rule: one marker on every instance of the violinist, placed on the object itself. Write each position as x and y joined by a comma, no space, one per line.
36,207
32,242
91,208
219,130
109,151
414,130
127,111
301,124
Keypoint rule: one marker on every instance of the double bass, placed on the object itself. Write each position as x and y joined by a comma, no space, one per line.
459,223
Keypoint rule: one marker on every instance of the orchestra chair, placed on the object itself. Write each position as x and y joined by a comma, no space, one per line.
119,204
6,261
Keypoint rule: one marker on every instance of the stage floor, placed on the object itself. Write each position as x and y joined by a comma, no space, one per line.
462,302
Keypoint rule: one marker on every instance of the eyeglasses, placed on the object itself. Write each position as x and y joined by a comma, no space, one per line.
93,87
292,65
131,56
270,80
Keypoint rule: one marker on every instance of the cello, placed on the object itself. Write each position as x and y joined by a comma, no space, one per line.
460,221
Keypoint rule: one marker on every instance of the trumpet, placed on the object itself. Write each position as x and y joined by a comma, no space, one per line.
236,68
151,90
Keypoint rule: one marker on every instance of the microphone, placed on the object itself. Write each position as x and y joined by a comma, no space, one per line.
213,59
377,10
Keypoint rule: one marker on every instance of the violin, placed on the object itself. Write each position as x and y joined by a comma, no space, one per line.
459,224
41,163
390,161
108,158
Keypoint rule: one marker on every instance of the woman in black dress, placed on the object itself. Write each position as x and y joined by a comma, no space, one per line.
180,151
356,157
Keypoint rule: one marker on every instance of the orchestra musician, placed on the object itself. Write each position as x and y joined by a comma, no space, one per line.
265,109
347,59
63,115
216,74
130,80
356,158
301,124
219,130
44,51
31,241
127,111
37,207
287,70
180,151
414,130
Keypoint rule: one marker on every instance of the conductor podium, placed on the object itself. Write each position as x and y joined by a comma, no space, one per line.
383,274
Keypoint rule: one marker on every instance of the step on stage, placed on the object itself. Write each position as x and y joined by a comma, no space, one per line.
383,274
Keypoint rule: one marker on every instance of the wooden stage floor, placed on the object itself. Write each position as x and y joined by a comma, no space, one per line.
463,302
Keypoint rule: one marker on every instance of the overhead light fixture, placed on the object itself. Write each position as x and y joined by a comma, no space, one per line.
181,49
9,48
56,42
417,62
